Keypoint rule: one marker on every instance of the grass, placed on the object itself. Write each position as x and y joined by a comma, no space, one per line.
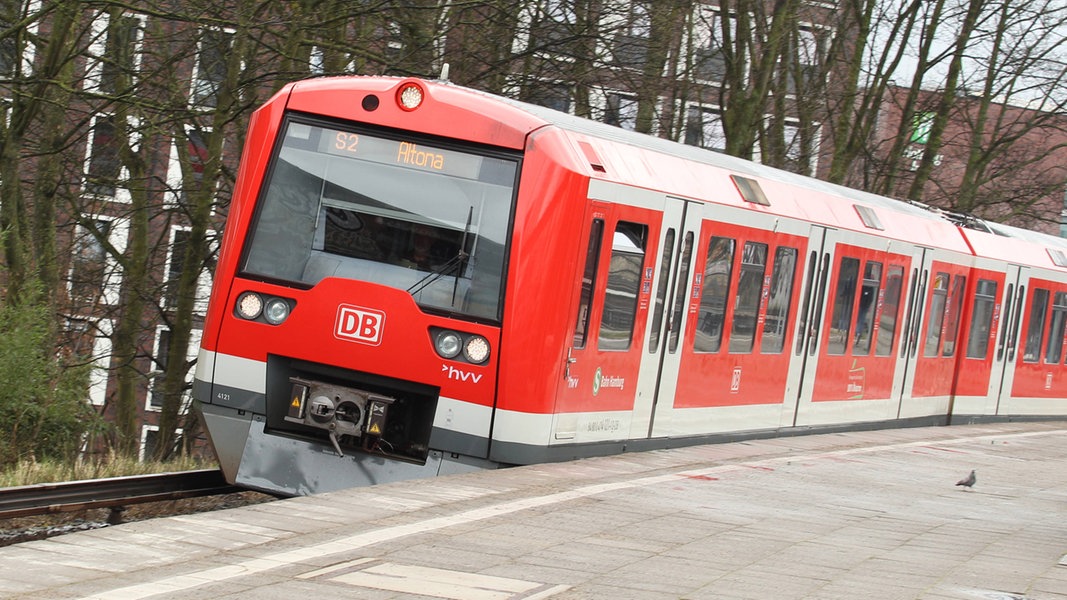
32,472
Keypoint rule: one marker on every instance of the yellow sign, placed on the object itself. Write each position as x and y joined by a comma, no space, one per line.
374,429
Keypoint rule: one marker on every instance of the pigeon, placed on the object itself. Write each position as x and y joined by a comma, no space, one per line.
968,481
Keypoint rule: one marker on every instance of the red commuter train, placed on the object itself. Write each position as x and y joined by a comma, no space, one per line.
419,279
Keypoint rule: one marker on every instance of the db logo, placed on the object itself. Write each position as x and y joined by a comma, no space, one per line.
357,324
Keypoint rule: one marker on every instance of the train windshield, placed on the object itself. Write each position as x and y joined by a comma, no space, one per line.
429,220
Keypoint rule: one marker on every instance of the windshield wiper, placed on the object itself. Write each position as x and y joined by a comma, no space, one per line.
454,263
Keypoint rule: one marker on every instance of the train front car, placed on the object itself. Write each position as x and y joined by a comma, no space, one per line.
354,325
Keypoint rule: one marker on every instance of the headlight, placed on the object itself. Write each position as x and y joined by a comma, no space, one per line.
249,305
448,344
476,349
276,311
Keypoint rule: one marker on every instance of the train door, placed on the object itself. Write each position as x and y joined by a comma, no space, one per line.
999,313
809,318
673,275
853,324
629,251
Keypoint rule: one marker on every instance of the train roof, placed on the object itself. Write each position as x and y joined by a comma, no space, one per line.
638,155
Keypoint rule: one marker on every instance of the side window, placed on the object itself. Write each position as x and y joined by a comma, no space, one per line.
872,281
1036,332
585,298
1056,329
985,298
887,323
712,311
777,318
937,314
952,314
747,300
661,289
844,296
624,283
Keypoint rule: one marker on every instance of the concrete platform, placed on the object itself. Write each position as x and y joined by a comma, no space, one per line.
840,516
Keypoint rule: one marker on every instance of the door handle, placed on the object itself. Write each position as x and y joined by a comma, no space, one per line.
567,364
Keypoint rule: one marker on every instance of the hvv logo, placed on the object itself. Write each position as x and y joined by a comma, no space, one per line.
358,324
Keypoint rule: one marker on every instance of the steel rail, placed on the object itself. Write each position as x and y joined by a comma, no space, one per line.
111,492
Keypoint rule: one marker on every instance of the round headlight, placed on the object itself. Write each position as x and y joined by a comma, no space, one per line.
276,311
249,305
409,97
448,344
477,349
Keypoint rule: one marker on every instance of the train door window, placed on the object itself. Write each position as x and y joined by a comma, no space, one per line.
952,314
937,315
872,281
718,268
806,306
844,297
661,289
985,297
887,322
680,300
1055,336
1005,325
1035,334
777,318
624,282
585,298
747,299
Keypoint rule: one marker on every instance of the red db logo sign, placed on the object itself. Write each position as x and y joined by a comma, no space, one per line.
358,324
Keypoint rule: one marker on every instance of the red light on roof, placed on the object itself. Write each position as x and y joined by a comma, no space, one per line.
410,95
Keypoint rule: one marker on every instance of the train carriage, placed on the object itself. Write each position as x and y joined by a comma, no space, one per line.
419,279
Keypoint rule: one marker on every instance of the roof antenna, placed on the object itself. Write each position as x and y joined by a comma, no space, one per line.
444,72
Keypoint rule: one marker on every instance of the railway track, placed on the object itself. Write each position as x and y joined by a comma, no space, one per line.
112,492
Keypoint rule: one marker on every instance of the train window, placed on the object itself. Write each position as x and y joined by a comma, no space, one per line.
939,298
718,269
585,298
1036,332
872,281
624,283
747,298
985,298
661,289
777,318
679,293
1055,337
1004,324
887,322
804,308
952,314
348,204
844,297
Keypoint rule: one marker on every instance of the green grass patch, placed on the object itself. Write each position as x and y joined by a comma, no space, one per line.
33,472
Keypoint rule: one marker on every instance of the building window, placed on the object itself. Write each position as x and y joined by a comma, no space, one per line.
631,41
115,52
104,167
703,127
555,23
89,260
621,111
215,46
554,96
709,57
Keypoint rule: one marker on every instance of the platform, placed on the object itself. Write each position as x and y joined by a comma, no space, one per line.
872,514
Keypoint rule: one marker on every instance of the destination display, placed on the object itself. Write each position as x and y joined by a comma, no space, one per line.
406,154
